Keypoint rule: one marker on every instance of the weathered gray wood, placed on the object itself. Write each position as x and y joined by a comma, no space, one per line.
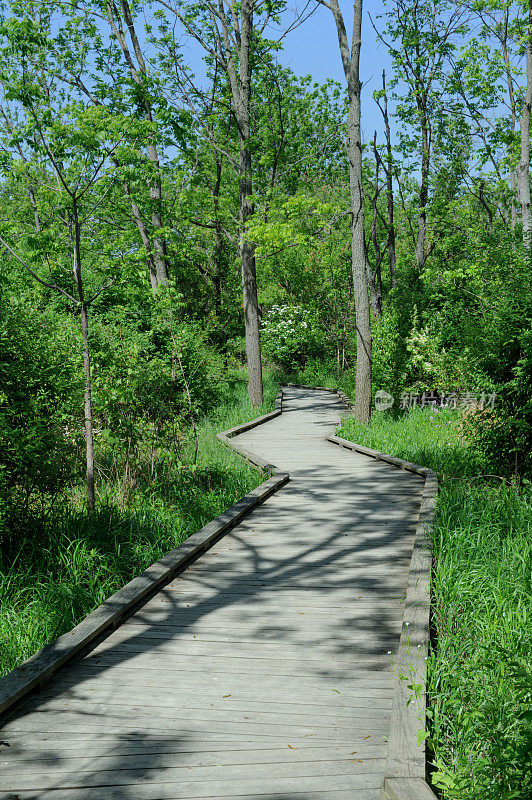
196,757
396,462
406,789
406,761
169,792
271,788
405,757
240,773
46,661
277,638
220,666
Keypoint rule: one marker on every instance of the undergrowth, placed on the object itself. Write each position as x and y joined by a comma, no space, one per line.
480,666
70,562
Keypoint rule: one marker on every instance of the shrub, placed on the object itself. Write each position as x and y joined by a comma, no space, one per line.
291,335
40,407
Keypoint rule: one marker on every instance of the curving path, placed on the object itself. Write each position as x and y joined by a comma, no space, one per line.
262,671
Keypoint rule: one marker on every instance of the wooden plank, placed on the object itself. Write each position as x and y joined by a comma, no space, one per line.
236,774
187,665
317,657
172,793
298,788
407,759
393,460
101,702
313,690
122,721
226,696
47,660
407,789
154,755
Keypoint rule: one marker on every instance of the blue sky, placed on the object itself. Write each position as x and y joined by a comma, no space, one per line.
312,49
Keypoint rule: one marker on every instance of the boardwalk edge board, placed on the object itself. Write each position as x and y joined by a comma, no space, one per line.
225,438
406,762
41,665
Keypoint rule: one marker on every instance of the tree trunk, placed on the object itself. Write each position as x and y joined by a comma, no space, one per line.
511,98
358,248
89,438
351,64
420,246
389,188
137,216
157,257
247,249
524,124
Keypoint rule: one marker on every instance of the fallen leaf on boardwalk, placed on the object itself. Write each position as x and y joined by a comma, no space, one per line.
336,690
353,753
227,695
367,737
292,748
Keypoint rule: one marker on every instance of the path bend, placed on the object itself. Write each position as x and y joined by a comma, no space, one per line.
261,672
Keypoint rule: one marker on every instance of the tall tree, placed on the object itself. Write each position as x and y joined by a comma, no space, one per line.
229,37
421,40
524,126
350,55
61,153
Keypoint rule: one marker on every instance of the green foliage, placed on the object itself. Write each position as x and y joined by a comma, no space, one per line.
67,562
39,389
150,382
480,685
480,668
291,335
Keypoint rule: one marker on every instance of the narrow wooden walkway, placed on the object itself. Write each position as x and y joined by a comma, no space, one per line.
262,671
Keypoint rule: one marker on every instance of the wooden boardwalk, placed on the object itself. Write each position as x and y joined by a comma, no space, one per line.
262,671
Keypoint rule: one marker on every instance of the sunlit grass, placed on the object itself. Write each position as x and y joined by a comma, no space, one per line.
69,563
480,665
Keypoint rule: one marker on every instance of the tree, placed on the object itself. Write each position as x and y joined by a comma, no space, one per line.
421,42
524,126
350,55
227,33
62,154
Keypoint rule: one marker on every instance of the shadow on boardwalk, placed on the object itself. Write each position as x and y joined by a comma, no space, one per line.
261,670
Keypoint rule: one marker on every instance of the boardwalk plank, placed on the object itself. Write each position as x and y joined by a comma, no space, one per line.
262,671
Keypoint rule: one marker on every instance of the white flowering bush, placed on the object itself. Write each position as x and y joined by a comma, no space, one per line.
291,335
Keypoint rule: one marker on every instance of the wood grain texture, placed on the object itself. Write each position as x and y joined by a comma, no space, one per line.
262,669
406,760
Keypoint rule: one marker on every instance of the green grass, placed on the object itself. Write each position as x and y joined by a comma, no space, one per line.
69,562
480,667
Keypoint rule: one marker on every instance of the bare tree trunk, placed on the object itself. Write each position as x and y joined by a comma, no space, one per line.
351,64
242,96
524,124
89,438
389,187
137,216
157,257
420,246
503,36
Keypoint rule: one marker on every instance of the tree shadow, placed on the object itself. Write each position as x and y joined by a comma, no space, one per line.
262,669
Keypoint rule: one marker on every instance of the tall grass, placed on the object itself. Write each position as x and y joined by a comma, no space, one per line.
68,562
480,665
